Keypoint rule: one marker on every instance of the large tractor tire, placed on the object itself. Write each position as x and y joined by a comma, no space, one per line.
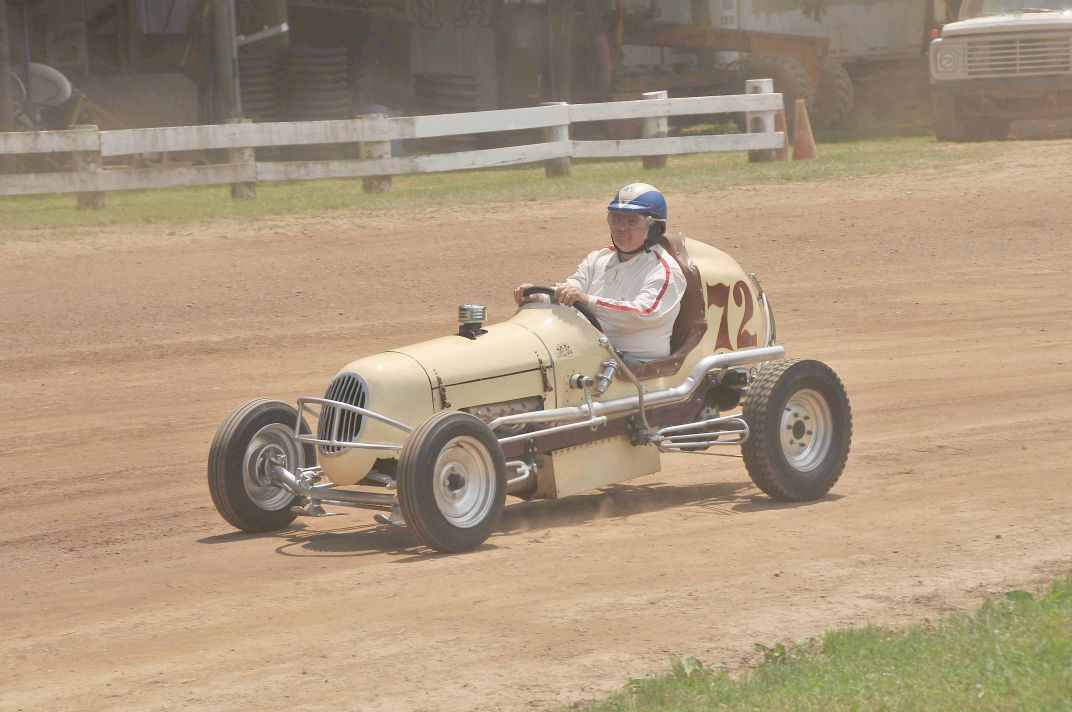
836,97
790,80
987,130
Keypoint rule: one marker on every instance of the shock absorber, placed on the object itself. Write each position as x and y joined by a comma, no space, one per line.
606,376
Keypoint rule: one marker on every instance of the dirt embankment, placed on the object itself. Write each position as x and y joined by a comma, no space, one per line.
943,302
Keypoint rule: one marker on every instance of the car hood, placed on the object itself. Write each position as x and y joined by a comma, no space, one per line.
504,349
1012,22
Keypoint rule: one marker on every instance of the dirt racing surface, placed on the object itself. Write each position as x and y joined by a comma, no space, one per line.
943,301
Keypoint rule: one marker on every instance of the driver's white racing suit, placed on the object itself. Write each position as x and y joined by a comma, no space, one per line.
636,301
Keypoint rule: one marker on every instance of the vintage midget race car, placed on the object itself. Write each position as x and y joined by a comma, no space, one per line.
437,434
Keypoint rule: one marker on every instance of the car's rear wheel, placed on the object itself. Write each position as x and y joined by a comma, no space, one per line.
452,481
255,437
800,429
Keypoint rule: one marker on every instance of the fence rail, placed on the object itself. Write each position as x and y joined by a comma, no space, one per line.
373,135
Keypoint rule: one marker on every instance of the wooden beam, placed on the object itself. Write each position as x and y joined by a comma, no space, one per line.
7,89
7,93
129,36
667,34
223,59
701,16
560,21
677,145
82,139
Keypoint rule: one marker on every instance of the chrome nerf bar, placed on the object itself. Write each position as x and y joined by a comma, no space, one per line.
303,408
677,437
657,398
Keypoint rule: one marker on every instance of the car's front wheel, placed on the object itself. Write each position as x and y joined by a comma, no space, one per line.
452,481
948,126
253,439
800,428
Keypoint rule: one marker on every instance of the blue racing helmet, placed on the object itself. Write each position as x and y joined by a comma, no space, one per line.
639,198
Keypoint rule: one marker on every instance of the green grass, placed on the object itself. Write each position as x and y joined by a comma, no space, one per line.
1011,654
427,193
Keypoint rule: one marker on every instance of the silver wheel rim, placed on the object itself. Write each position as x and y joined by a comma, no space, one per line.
271,445
807,430
464,482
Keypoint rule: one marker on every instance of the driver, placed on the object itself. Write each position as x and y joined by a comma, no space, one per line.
633,286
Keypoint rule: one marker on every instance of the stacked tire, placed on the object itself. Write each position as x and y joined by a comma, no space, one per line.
448,94
315,83
256,75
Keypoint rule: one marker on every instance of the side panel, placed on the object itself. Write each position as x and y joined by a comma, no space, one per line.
495,390
584,467
572,343
505,349
858,29
734,315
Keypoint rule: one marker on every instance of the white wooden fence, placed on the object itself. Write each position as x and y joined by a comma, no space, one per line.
90,147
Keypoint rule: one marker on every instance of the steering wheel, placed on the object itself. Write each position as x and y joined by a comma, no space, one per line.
581,309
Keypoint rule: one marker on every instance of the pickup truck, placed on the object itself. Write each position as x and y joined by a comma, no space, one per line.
1001,60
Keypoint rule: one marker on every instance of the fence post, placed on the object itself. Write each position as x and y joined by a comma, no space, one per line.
375,149
557,167
89,163
760,121
245,154
655,127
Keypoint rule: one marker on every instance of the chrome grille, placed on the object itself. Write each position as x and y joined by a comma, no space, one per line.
347,388
1021,56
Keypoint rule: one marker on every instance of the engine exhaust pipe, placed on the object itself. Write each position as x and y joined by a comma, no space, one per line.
658,398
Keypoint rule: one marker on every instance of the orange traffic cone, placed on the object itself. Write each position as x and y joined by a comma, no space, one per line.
781,154
803,140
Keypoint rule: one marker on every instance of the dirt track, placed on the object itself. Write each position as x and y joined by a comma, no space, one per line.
943,302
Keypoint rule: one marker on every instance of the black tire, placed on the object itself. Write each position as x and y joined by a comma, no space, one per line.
786,398
426,484
236,477
790,80
986,130
836,97
947,125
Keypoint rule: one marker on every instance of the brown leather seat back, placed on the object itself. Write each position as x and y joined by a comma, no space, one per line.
691,322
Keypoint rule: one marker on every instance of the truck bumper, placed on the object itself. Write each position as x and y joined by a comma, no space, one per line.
1009,98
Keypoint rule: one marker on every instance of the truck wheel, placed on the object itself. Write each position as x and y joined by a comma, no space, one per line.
254,436
800,425
947,126
790,80
986,130
452,481
836,97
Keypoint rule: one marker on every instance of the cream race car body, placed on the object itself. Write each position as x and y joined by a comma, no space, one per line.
534,354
